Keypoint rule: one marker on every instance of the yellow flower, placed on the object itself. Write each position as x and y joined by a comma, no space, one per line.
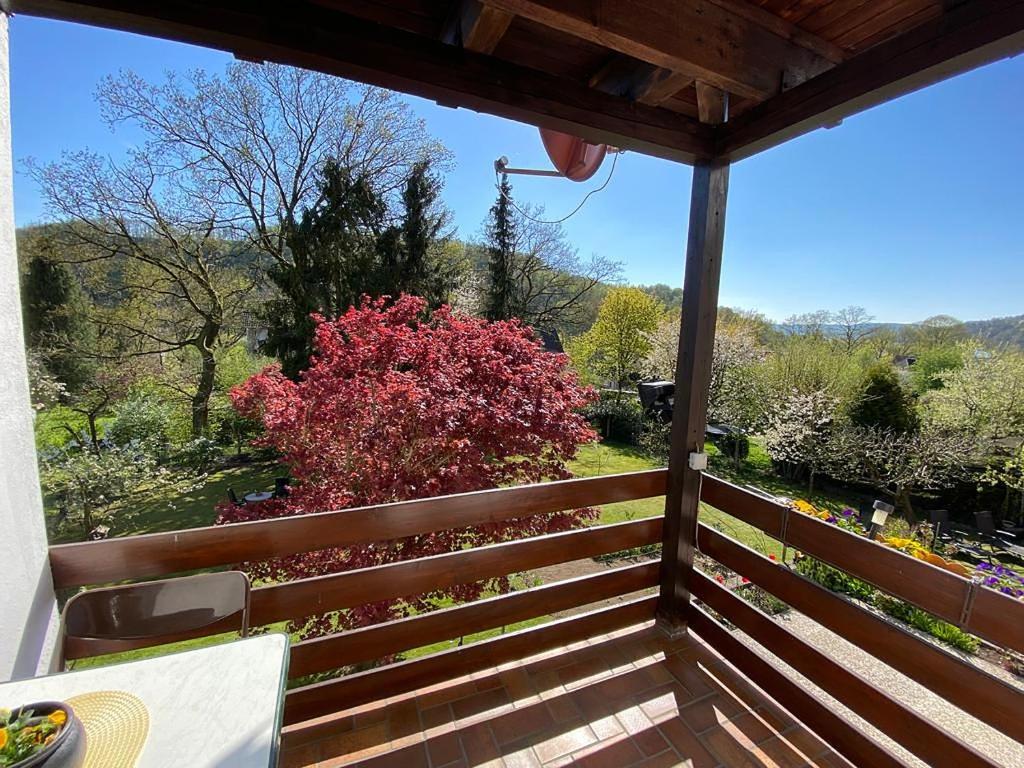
3,738
57,717
806,507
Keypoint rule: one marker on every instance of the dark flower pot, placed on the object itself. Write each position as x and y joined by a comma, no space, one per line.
65,751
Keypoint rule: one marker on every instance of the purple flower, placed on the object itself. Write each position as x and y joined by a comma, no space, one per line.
847,512
984,566
1006,590
832,519
991,581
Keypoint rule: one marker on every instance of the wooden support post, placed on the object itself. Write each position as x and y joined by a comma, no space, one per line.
693,378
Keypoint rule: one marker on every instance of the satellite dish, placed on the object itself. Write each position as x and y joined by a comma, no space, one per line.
575,158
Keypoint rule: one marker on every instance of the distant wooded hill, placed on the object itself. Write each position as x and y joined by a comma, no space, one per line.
999,330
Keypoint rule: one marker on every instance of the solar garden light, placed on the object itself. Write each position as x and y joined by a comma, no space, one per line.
879,516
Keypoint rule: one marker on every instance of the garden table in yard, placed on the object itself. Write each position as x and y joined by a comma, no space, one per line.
253,498
217,706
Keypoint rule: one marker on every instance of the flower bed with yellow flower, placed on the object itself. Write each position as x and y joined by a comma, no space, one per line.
846,519
840,581
23,736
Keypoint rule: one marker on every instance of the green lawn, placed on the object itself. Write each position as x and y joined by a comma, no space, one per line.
169,510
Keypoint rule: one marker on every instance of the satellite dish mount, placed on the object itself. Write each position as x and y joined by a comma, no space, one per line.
574,158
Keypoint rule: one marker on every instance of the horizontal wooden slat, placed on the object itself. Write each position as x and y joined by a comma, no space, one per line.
998,618
297,599
936,590
158,554
966,36
330,696
375,642
965,685
844,738
749,507
995,617
902,724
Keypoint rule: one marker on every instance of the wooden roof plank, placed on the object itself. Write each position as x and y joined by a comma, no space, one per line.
698,38
968,36
477,27
339,44
784,29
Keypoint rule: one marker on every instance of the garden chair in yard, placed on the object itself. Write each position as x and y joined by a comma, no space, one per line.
280,487
233,498
116,619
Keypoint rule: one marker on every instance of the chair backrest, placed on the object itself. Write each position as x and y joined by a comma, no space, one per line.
280,487
232,496
114,619
939,516
985,523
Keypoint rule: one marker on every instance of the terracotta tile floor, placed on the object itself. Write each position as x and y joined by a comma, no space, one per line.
629,699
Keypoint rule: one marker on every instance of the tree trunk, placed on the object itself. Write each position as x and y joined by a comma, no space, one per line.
810,481
902,499
207,377
94,432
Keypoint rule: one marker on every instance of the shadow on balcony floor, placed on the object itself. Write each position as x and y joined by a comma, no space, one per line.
631,698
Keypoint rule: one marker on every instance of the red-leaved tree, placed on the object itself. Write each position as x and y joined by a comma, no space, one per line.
395,407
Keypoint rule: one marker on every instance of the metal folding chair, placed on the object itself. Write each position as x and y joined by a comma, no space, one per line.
115,619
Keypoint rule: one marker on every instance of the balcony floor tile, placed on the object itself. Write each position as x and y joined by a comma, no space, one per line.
630,699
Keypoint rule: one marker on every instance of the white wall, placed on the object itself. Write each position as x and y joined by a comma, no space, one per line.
28,610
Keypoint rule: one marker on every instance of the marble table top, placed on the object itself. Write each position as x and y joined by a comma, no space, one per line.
218,706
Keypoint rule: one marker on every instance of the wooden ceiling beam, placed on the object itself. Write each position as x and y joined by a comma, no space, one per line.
639,81
326,40
969,35
712,104
477,27
698,38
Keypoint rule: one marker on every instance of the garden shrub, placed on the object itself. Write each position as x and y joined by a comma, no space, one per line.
654,440
834,579
142,419
619,418
198,454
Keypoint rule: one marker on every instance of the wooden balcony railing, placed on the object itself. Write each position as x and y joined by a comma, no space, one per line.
982,612
162,554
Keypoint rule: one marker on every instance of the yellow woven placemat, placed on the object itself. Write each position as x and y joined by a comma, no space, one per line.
116,725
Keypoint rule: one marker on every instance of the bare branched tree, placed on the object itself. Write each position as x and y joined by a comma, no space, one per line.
175,284
550,281
854,324
252,142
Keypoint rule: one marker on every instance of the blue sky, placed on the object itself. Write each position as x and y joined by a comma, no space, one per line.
911,209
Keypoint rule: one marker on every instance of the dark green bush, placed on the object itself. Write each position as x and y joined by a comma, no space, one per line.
616,417
728,445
